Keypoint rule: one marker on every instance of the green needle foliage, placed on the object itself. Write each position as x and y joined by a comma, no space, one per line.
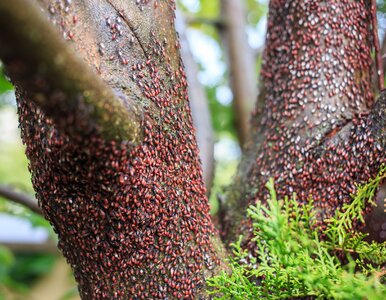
293,262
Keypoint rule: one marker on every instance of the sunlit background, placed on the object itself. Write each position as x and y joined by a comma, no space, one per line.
30,265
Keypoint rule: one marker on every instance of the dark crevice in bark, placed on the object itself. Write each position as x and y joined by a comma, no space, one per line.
130,25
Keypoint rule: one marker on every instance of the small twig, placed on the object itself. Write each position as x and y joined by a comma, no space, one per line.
218,23
20,198
344,250
380,273
44,247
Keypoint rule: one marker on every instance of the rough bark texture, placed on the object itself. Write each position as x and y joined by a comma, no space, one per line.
133,221
314,135
64,87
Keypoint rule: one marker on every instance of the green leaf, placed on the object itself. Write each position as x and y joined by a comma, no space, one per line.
6,261
292,262
29,267
209,9
5,85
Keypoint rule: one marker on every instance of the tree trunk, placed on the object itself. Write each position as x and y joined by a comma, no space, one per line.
132,216
313,130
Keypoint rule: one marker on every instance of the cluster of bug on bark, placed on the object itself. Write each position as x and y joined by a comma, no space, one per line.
314,135
132,220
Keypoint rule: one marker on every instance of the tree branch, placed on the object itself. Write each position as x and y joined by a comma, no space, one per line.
147,205
65,88
20,198
193,20
46,247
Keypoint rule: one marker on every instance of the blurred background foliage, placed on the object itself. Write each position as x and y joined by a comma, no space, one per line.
19,271
203,20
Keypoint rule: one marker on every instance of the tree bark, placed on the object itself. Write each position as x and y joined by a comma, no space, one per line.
67,91
315,135
132,219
